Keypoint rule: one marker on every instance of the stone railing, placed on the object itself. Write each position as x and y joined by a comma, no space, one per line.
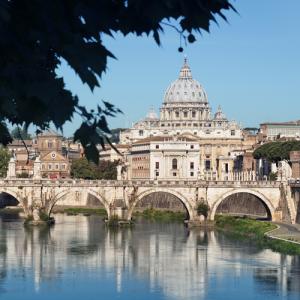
129,183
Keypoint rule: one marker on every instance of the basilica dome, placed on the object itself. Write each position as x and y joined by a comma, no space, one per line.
185,89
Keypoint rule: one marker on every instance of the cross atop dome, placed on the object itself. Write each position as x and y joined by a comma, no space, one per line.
185,72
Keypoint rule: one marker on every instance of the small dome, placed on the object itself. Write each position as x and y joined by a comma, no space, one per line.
151,115
185,88
219,115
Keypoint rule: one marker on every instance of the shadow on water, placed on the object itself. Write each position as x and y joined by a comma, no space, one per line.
167,258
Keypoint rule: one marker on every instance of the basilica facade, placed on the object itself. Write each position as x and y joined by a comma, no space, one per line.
187,141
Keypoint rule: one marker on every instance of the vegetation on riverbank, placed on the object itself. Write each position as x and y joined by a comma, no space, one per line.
161,215
82,210
12,210
244,228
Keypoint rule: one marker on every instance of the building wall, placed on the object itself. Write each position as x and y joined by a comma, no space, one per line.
295,159
47,143
155,159
271,131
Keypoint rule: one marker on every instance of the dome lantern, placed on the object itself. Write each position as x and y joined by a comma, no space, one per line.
185,72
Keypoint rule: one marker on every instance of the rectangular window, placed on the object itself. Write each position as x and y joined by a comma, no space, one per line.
174,174
177,114
192,146
193,114
157,165
207,165
156,174
56,167
49,166
174,164
232,132
226,168
192,165
192,174
156,146
63,166
141,132
185,114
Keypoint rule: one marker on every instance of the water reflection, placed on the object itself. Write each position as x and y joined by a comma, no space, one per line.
153,260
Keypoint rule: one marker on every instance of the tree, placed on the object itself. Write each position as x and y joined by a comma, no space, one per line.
36,35
82,168
107,170
20,133
276,151
203,209
4,159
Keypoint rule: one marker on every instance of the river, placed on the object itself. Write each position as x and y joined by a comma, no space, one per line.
79,258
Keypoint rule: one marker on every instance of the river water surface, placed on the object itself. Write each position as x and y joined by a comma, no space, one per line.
79,258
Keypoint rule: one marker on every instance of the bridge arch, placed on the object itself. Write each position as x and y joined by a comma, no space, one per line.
267,203
11,193
101,198
178,195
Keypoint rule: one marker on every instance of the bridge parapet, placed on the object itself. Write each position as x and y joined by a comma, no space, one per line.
131,183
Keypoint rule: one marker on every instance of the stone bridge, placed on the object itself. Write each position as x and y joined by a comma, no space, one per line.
120,197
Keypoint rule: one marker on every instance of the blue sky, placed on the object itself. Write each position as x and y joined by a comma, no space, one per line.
250,66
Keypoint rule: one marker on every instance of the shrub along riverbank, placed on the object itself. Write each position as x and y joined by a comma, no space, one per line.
149,214
249,229
82,210
160,215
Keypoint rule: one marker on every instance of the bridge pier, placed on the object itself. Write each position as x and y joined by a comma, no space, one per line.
119,212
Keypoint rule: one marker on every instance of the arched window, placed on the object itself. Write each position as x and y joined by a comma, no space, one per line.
174,164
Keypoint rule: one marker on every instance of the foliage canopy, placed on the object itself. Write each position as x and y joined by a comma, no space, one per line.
4,159
37,35
82,168
20,133
276,151
203,209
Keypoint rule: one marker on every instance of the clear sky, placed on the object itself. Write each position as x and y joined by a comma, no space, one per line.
250,66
